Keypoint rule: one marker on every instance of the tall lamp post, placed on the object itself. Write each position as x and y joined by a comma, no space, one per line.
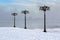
14,14
25,12
44,8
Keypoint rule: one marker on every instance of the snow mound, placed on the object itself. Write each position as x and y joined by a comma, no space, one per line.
9,33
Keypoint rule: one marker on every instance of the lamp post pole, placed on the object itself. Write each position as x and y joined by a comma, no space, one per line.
25,12
14,14
44,21
25,22
44,8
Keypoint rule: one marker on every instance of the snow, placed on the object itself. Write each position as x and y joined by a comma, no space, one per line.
10,33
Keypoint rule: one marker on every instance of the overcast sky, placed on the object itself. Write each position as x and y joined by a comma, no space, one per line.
35,16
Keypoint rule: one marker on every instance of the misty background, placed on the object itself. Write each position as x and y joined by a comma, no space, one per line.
35,16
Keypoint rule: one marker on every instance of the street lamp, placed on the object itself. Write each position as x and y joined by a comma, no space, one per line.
25,12
14,14
44,8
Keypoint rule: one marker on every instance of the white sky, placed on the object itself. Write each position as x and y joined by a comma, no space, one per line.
34,18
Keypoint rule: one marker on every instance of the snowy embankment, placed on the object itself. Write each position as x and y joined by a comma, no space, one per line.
9,33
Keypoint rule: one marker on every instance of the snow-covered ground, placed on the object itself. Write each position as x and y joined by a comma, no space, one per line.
10,33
